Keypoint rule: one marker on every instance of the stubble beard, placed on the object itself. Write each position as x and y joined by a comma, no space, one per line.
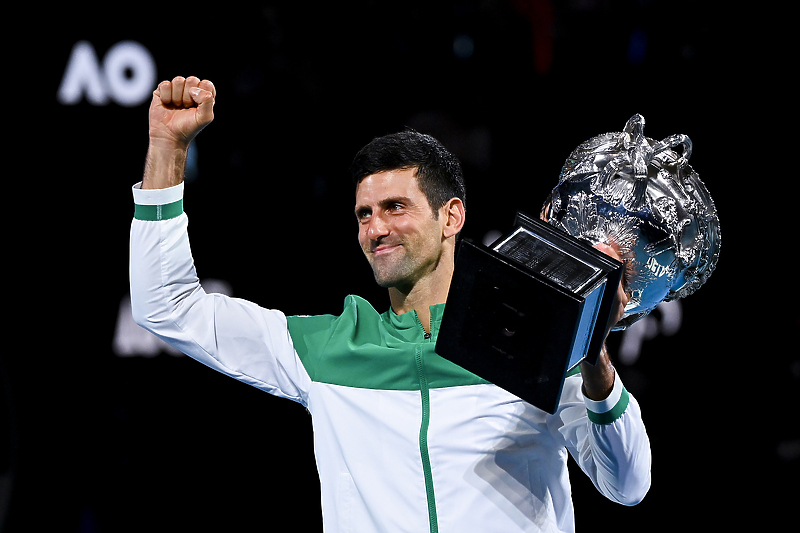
391,271
401,272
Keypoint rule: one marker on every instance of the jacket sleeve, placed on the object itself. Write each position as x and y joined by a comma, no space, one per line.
607,439
233,336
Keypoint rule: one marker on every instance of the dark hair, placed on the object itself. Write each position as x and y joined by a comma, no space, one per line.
439,172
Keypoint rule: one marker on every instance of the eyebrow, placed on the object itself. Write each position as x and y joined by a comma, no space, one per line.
366,209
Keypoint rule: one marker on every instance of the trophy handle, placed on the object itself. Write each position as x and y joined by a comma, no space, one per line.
674,141
635,155
638,154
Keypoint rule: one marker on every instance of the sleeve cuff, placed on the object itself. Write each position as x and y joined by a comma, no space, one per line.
608,410
157,204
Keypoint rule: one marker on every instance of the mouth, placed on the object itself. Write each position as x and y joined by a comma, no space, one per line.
384,249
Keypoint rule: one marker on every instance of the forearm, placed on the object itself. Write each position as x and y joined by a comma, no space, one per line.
618,443
598,379
165,165
607,438
618,456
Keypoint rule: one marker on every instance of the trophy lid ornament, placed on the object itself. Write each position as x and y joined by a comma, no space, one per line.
642,197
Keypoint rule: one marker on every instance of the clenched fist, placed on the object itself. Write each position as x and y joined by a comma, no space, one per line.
179,110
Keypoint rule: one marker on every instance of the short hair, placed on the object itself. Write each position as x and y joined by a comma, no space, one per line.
439,173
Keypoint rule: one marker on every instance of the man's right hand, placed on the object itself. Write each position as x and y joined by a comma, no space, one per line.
178,111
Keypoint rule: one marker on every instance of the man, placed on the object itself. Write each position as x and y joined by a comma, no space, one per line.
404,440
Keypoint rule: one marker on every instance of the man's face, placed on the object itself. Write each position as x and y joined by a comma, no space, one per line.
397,229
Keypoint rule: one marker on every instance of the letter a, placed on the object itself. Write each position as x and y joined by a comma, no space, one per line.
83,76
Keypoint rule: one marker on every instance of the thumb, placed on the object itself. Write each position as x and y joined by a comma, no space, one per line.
205,105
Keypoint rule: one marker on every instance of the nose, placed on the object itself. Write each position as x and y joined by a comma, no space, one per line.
377,228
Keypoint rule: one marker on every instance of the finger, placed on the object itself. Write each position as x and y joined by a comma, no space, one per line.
178,83
191,83
608,250
623,295
206,85
164,92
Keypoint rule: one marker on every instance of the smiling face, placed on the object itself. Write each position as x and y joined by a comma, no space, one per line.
400,234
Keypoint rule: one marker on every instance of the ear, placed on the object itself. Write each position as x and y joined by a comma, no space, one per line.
453,215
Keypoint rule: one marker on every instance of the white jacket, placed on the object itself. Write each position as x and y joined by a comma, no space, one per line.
404,440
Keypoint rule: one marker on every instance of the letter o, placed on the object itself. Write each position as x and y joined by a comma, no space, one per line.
130,73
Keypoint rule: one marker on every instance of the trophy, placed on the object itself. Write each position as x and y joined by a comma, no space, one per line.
525,311
642,197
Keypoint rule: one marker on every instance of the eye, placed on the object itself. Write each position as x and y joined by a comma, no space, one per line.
363,213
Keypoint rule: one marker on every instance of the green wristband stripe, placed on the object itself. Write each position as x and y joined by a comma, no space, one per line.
610,416
153,213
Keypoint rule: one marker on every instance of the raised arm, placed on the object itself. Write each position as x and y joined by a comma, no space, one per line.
179,110
233,336
612,446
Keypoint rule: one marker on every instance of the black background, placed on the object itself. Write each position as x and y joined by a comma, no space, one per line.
102,443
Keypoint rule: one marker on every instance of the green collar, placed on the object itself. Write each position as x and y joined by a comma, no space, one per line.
409,325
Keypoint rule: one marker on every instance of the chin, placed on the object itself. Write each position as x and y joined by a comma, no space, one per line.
388,281
385,282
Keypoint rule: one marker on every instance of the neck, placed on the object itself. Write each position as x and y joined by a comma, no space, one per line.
431,290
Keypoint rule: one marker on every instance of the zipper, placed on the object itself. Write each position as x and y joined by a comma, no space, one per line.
423,441
425,334
425,396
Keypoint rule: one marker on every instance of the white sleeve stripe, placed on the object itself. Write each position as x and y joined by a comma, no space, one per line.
157,196
604,406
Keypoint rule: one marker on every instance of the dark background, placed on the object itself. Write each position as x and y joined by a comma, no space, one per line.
99,439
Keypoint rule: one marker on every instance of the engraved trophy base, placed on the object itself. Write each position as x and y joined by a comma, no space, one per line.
526,310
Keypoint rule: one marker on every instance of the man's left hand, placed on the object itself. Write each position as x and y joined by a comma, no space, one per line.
598,380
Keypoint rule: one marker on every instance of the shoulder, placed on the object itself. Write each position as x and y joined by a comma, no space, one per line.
357,315
354,308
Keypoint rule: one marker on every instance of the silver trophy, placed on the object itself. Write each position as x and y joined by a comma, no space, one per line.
642,197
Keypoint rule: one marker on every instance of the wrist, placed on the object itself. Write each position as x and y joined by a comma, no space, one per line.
598,379
609,409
